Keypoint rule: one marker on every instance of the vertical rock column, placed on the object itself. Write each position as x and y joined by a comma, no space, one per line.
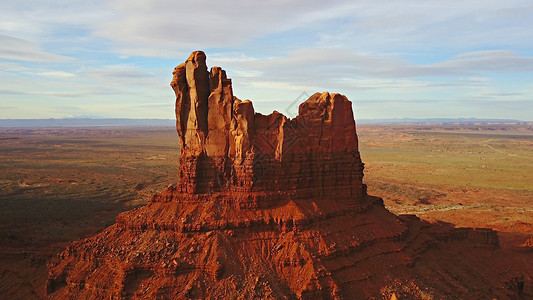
204,114
191,86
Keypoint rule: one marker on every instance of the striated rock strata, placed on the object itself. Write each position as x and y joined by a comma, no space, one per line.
271,207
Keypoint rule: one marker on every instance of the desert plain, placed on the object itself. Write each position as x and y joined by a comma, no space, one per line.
58,185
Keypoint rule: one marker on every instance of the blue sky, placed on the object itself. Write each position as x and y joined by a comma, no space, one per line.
393,59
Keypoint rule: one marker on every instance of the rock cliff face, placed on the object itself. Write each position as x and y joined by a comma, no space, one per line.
271,207
228,148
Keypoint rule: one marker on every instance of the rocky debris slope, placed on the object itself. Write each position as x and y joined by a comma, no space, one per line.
271,207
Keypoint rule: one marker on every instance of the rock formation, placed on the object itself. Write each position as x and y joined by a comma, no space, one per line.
271,207
228,148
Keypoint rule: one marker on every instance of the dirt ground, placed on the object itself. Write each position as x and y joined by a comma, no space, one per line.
472,176
62,184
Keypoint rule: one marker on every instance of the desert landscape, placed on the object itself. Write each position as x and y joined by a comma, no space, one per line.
64,185
315,150
87,176
470,175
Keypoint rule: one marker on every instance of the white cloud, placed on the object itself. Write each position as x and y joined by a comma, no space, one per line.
57,74
125,110
5,92
374,50
501,61
19,49
278,85
36,21
304,69
170,28
118,73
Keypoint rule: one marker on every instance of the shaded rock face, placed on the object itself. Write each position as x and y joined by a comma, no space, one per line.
271,207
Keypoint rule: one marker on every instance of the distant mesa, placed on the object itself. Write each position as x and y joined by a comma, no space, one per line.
83,122
271,207
444,121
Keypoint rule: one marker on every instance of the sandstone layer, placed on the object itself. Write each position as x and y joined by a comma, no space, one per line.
271,207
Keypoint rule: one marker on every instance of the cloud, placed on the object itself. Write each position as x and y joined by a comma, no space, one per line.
143,110
320,69
403,51
126,77
19,49
380,79
281,85
502,97
76,90
502,61
173,28
436,25
499,95
150,105
119,72
169,28
11,92
56,74
41,21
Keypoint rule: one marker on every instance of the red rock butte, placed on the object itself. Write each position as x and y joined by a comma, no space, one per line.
258,161
271,207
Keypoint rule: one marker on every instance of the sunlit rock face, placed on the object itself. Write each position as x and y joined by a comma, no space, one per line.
227,147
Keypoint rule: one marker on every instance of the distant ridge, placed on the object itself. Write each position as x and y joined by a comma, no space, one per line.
81,122
443,121
95,122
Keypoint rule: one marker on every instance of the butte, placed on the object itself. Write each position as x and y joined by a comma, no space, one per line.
271,207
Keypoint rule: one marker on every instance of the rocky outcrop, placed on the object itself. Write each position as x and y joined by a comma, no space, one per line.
271,207
227,147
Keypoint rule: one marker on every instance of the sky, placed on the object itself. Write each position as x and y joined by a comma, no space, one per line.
392,59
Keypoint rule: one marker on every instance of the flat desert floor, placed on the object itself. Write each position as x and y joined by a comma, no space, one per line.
62,184
472,176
